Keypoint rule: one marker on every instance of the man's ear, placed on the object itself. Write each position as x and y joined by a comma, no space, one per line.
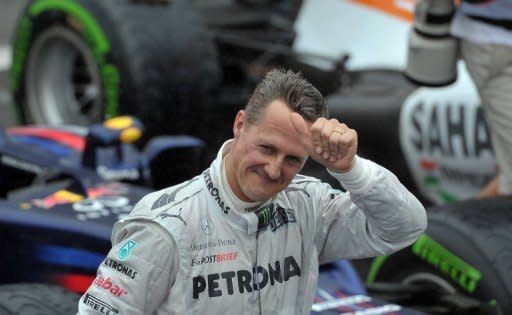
239,123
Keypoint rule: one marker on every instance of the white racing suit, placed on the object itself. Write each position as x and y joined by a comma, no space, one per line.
187,250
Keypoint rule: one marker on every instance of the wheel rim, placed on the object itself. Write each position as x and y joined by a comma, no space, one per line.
63,82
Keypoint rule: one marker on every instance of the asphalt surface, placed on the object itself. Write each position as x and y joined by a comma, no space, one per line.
9,11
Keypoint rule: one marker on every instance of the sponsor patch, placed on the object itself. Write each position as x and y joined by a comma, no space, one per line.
212,244
120,267
207,226
214,192
99,305
216,258
282,216
241,281
126,250
170,215
275,216
107,285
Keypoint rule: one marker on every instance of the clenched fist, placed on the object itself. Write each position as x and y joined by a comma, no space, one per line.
328,142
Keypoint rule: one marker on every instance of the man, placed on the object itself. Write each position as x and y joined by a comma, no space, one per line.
485,31
248,234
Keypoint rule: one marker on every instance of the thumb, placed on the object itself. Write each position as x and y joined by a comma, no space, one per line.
302,128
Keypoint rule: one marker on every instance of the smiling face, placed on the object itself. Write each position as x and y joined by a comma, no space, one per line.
265,156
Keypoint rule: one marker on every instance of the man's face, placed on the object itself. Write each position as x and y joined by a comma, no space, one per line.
266,156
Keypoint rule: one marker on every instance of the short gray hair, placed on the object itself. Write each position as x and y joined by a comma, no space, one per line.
290,87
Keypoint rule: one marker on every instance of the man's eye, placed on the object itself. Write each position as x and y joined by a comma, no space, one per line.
266,149
295,160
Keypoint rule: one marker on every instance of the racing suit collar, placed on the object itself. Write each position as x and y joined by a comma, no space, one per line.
237,211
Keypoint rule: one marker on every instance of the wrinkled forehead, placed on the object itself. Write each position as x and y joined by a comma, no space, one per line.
276,129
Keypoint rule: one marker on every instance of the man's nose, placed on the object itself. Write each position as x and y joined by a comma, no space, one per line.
273,168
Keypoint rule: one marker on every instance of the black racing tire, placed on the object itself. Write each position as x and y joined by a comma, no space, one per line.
466,250
37,299
81,61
